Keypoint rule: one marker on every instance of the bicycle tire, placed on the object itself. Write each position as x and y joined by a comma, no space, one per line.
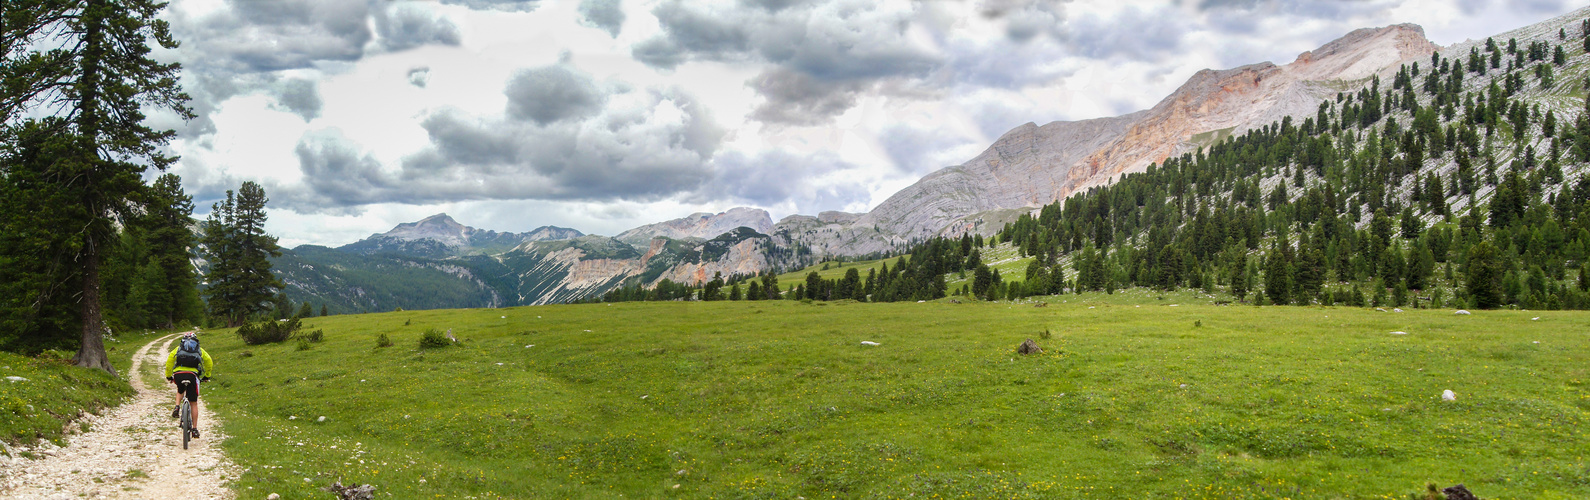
186,422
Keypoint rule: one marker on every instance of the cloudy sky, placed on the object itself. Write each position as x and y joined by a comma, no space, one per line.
602,115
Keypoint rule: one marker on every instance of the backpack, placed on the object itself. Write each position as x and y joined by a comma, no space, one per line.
188,354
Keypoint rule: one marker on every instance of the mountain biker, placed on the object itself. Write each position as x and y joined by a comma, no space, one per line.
191,363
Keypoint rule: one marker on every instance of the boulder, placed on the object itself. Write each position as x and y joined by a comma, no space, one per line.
1029,347
361,492
1459,493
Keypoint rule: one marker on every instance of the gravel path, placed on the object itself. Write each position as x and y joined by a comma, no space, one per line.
132,451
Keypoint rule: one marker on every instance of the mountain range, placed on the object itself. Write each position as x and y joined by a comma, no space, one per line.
439,262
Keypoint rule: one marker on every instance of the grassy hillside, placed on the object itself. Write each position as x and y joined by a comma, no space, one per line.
54,393
835,270
1136,396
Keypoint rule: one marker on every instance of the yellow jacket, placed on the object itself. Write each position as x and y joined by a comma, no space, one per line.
171,363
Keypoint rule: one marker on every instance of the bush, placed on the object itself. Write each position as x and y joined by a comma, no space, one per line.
268,331
303,345
383,341
433,338
314,336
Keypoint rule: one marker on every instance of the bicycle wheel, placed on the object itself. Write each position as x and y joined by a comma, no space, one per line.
186,422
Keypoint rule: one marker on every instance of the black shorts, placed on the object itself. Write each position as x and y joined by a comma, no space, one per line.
192,388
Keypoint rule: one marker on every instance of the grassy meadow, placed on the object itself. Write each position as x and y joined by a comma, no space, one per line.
53,393
1137,395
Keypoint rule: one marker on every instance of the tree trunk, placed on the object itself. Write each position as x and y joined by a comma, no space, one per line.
92,352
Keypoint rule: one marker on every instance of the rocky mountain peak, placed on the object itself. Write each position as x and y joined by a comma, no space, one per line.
701,225
1363,52
440,227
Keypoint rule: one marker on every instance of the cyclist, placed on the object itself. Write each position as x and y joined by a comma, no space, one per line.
188,362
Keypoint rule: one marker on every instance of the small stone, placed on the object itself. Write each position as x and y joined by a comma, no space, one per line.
676,486
1397,310
1448,395
1536,318
15,378
273,496
1460,312
1399,333
292,417
868,342
1029,347
321,419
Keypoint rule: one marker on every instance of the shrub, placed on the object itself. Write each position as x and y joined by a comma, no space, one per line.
383,341
303,345
314,336
268,331
433,338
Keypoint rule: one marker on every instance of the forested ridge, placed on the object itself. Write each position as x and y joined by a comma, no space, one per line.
1460,184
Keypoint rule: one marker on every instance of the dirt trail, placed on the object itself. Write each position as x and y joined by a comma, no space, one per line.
132,451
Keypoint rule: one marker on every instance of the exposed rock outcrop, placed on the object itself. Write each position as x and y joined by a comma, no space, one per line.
701,225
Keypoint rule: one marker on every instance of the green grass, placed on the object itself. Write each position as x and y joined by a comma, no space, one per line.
1006,259
53,394
777,399
836,270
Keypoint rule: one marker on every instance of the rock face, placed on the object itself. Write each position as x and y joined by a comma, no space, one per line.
701,225
1034,165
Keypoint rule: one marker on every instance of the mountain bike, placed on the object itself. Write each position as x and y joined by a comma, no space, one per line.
185,416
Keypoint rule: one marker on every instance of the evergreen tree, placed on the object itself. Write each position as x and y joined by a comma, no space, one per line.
37,276
239,251
88,61
1484,276
770,286
167,238
1277,276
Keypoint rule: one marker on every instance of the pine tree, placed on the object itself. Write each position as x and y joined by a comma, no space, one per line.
37,277
165,229
88,62
1278,275
239,251
1484,276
